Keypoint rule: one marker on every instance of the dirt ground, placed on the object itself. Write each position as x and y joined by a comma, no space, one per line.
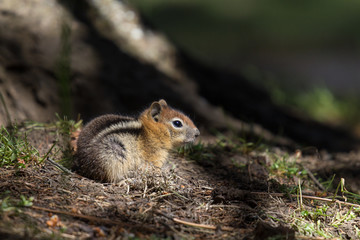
230,195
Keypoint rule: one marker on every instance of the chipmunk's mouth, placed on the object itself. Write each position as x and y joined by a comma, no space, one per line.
189,140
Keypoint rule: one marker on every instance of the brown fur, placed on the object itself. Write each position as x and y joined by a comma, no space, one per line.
112,147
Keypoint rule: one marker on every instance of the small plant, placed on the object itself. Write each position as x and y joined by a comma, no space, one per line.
209,152
341,218
15,150
316,222
66,126
286,166
25,202
313,218
308,228
66,130
9,204
357,230
236,144
62,125
319,212
198,152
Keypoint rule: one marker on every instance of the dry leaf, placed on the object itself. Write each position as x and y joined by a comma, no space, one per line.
99,232
54,221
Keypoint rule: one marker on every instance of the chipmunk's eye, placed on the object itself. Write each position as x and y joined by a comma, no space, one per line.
177,123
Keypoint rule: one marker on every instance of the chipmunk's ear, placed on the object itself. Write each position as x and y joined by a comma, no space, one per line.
155,110
162,102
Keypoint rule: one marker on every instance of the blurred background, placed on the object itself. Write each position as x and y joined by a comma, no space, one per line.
304,53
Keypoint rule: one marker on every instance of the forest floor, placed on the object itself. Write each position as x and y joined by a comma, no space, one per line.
223,187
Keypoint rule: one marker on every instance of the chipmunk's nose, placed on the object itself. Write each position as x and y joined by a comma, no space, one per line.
197,133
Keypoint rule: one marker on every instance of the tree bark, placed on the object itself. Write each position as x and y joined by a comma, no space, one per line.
101,57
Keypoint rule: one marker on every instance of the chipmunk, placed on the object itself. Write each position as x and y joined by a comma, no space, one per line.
112,147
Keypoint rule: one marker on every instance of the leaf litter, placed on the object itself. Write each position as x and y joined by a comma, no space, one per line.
226,194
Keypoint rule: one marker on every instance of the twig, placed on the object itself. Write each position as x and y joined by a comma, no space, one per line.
225,206
300,199
163,214
212,227
180,196
330,200
90,218
145,189
93,219
161,196
317,183
307,197
59,166
315,238
48,152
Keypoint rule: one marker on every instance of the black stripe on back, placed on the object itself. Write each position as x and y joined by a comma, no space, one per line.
97,125
131,131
